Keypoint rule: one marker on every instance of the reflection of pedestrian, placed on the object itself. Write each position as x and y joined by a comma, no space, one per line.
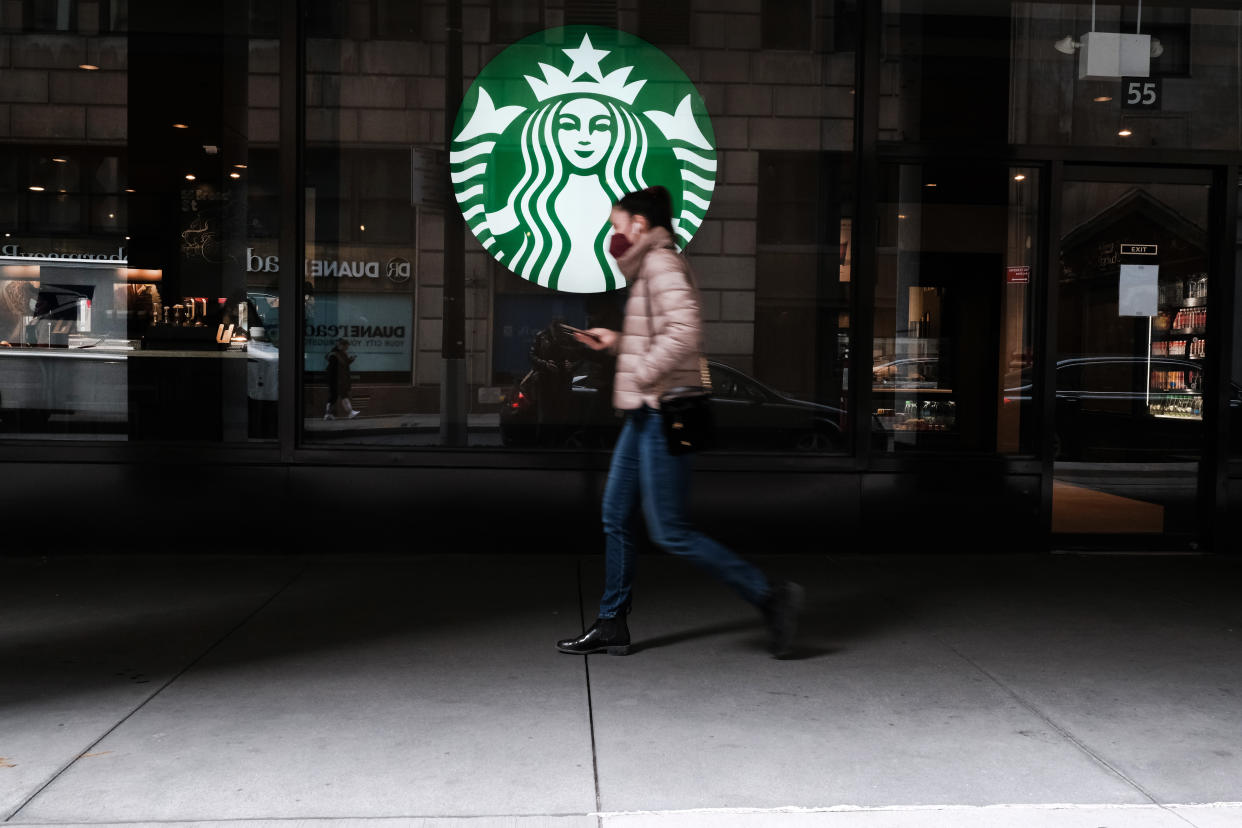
600,367
339,382
658,349
553,354
17,300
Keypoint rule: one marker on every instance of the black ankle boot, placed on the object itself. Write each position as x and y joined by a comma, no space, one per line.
609,635
780,610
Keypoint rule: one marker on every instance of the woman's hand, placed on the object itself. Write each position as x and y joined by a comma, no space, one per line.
598,339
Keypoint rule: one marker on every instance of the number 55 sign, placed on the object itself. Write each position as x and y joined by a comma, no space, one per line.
1141,93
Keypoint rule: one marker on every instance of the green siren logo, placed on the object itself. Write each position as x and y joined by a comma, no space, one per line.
558,127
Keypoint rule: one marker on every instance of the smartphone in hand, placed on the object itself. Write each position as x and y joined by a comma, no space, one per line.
571,329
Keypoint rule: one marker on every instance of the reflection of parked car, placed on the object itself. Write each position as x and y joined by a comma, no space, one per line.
748,415
912,372
1110,407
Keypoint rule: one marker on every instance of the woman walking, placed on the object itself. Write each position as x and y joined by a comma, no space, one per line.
658,349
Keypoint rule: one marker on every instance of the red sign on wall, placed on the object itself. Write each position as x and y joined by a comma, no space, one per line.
1018,274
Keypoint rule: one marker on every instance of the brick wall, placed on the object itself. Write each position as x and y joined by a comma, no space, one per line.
45,96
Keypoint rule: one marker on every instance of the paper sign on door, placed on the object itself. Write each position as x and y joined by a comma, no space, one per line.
1138,292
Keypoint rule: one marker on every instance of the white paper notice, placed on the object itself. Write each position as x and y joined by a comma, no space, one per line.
1138,293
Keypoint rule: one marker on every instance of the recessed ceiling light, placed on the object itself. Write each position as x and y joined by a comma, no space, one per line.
129,189
1019,177
234,175
1102,98
1125,133
190,176
929,185
362,227
89,67
181,126
239,166
35,188
901,215
61,160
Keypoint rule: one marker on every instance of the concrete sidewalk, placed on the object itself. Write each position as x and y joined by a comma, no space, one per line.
426,691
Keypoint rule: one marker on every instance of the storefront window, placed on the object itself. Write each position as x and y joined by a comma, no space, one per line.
1035,73
405,325
127,307
953,366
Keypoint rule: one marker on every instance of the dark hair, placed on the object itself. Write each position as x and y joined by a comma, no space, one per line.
653,204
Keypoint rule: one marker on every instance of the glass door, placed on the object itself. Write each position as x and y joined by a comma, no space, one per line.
1133,302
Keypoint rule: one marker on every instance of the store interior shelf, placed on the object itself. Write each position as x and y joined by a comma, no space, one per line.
907,391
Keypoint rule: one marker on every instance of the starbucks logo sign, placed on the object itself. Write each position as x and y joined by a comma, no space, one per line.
557,128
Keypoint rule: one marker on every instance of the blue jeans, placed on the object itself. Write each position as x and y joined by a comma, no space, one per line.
644,473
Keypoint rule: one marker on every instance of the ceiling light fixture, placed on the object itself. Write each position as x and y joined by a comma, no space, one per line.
1019,177
190,177
35,188
181,126
1066,45
89,67
1112,55
234,175
59,160
1125,133
1102,98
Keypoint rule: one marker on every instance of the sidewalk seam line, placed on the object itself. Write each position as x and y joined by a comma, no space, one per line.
1071,738
586,665
160,689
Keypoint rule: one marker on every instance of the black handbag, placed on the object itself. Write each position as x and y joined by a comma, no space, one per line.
686,412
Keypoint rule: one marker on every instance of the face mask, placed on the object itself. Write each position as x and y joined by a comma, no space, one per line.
618,245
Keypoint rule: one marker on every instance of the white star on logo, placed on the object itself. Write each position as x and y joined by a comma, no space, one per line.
586,59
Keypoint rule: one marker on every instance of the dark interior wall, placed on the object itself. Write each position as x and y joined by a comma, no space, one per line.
188,64
956,67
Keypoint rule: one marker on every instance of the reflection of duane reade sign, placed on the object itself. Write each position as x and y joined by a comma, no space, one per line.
356,332
396,269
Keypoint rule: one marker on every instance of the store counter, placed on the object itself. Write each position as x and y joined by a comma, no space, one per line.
108,385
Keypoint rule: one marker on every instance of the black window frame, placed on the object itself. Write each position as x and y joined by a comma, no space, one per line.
30,16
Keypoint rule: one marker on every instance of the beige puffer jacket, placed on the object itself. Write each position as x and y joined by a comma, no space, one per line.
656,354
